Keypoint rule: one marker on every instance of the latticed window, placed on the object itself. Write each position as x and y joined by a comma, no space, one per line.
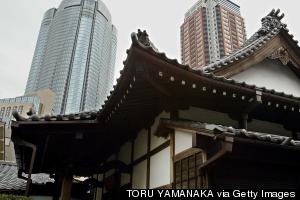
186,171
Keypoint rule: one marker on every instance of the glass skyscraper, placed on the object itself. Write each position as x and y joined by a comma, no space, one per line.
75,55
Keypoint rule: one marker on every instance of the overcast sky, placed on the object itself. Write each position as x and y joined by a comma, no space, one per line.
20,22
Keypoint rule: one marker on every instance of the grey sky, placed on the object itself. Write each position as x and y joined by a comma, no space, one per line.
20,22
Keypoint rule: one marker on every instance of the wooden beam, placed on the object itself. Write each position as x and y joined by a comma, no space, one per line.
157,86
66,187
149,158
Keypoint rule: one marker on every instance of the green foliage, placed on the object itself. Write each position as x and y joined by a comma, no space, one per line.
13,197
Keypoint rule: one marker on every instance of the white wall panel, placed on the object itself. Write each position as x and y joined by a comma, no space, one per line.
125,179
160,169
183,141
125,153
157,141
140,144
99,190
272,75
139,176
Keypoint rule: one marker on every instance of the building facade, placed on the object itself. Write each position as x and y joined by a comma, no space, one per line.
2,140
211,30
75,55
41,102
181,128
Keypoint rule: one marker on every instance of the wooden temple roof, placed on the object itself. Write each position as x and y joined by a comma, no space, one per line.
149,84
272,27
215,131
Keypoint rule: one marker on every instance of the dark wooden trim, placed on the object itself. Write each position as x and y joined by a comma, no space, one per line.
77,122
172,156
187,153
148,159
157,86
151,153
131,160
115,164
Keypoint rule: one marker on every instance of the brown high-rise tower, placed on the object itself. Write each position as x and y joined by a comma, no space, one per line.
211,30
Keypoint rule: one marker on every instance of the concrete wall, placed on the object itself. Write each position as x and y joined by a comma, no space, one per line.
47,100
9,146
271,74
2,141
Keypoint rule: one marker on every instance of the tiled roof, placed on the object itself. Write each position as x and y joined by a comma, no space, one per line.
271,26
9,180
91,115
232,132
208,72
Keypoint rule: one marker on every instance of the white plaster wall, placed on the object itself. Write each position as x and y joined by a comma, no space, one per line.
272,75
100,177
207,116
160,169
183,141
99,190
139,176
267,127
140,144
125,153
99,194
157,141
125,179
125,156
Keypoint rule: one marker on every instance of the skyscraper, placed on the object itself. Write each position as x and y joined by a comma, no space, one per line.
211,30
75,55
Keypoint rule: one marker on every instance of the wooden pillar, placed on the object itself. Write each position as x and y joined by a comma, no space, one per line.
57,187
243,121
295,135
66,187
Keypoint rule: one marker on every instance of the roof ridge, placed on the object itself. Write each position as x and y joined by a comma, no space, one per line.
271,26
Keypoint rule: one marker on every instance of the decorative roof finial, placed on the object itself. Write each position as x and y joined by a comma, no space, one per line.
143,38
271,21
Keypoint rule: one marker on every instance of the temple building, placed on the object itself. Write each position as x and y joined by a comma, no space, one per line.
166,125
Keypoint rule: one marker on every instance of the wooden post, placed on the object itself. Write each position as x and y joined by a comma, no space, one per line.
66,187
57,187
243,121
